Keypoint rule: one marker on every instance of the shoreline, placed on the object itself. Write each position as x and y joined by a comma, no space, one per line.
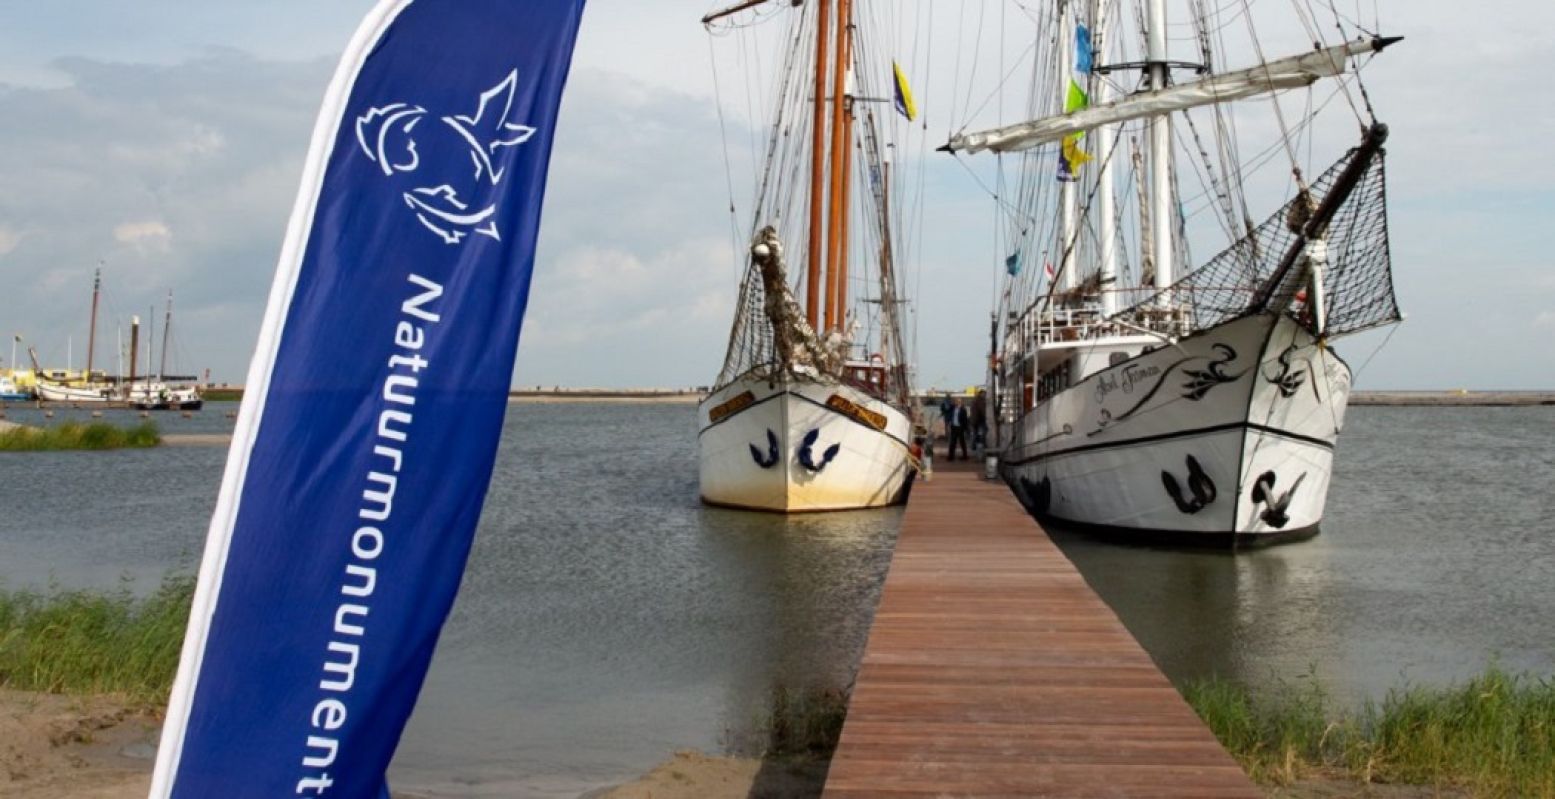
56,746
1374,398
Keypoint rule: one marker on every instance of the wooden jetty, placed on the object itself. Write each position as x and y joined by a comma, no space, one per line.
992,669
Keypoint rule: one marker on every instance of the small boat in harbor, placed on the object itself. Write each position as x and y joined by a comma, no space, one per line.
142,392
10,393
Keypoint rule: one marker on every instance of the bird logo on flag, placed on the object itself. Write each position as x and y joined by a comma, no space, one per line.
391,136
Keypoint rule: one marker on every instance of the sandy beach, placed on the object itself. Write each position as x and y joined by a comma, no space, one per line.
60,747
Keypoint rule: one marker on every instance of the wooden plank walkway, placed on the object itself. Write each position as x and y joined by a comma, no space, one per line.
992,669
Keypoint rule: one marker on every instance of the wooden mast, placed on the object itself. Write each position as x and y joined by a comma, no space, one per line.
838,205
817,166
839,268
91,336
167,327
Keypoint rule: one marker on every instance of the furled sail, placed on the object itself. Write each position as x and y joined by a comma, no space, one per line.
1286,73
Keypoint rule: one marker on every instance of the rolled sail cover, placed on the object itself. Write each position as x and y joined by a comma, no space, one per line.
365,443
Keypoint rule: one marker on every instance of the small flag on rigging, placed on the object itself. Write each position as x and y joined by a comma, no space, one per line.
904,103
1082,48
1012,264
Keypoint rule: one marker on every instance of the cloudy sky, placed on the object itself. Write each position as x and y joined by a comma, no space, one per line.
165,140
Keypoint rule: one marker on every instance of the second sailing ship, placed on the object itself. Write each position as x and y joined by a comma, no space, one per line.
812,409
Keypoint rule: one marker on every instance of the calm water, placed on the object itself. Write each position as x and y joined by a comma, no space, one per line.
608,619
1437,555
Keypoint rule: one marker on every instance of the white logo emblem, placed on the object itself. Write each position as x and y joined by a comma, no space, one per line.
388,136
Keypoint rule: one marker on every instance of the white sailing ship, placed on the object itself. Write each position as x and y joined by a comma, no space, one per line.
812,409
1205,408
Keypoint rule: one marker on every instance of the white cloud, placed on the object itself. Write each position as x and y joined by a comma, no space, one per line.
1544,321
149,236
8,240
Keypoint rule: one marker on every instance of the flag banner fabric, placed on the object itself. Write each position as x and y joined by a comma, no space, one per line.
1082,49
369,427
1070,156
904,102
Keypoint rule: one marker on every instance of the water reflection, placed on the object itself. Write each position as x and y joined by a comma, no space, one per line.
1425,570
609,619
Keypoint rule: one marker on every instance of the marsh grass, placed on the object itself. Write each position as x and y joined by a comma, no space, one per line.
75,435
1493,735
222,394
794,724
85,642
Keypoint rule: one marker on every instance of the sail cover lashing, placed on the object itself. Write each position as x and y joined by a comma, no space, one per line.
1357,278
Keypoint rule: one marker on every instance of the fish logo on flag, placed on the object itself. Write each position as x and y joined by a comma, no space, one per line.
367,435
387,135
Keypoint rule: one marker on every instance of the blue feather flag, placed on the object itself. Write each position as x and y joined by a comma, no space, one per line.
365,443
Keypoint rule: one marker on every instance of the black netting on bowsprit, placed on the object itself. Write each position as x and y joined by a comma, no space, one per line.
750,337
1357,276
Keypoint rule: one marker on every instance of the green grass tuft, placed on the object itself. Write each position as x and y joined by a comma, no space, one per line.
84,642
793,724
75,435
1493,735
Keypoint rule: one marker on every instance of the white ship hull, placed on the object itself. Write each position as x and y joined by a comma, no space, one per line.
51,392
1226,437
793,445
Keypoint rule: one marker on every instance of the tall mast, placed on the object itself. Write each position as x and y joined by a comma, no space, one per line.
841,141
1068,218
134,346
1106,142
817,166
167,327
151,338
91,336
1160,150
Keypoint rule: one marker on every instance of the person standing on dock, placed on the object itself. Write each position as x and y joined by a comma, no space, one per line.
956,424
980,420
944,417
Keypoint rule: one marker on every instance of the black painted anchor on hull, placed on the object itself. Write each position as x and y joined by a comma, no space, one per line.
1274,512
806,456
1200,486
771,458
1039,495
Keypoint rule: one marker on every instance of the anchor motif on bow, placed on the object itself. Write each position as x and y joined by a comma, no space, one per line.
1275,507
807,458
771,458
1200,486
1039,494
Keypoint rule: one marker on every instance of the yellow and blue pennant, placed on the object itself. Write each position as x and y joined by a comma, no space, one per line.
904,102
